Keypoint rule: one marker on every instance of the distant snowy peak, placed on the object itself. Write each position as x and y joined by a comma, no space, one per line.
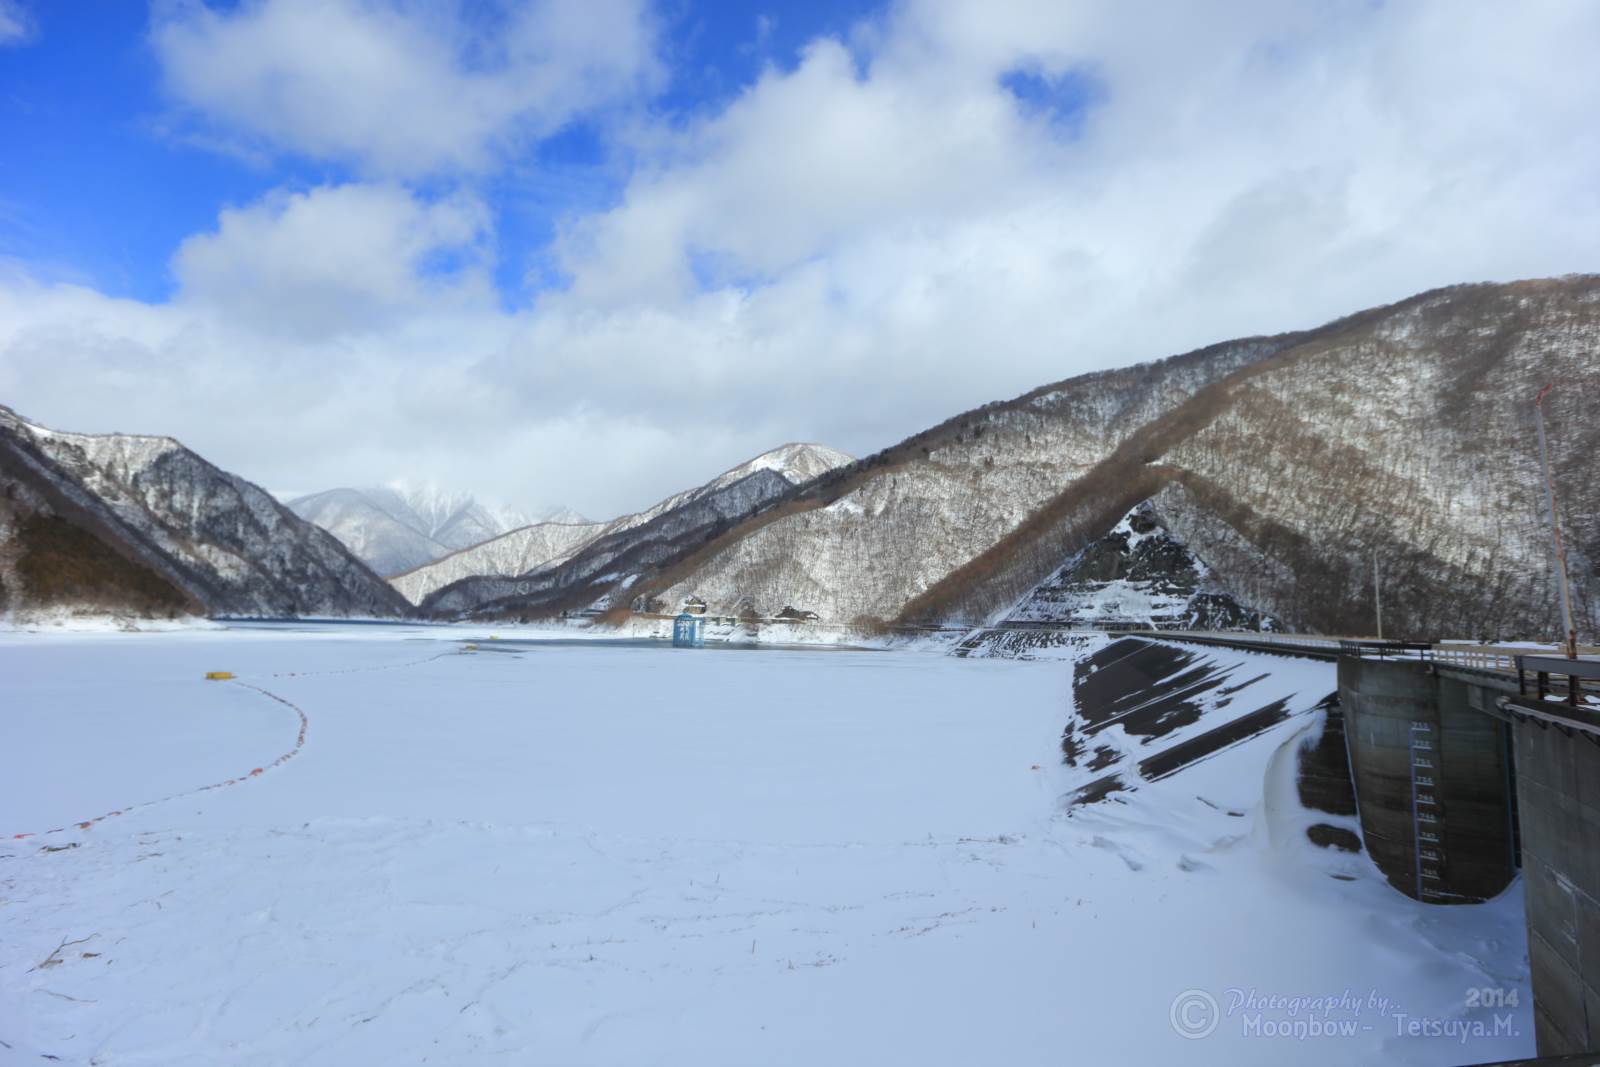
455,519
558,559
512,553
798,463
560,516
474,523
374,525
401,526
426,504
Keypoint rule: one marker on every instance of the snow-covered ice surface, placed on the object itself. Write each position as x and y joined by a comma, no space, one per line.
609,852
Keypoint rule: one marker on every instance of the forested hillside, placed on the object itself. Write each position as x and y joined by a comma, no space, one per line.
1286,464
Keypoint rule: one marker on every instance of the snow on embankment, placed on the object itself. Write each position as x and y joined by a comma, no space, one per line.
1061,645
1144,710
1137,574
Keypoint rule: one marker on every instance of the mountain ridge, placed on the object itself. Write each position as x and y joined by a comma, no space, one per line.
955,551
1399,434
225,545
398,527
790,464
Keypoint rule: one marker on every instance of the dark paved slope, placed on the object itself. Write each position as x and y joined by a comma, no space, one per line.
1146,710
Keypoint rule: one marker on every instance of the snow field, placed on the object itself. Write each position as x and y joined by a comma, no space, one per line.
596,853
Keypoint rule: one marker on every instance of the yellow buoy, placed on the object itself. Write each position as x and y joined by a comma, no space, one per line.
218,676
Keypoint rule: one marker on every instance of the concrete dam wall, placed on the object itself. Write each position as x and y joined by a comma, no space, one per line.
1460,782
1457,779
1433,774
1558,803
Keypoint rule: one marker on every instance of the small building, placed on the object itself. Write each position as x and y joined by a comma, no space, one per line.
793,614
689,631
694,606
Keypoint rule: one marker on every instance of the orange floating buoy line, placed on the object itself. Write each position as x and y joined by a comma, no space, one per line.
219,676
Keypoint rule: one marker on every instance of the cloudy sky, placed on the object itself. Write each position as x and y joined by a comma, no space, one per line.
592,253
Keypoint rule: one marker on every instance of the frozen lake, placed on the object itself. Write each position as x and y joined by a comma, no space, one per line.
597,852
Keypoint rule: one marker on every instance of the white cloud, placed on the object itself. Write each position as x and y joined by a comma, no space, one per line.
853,248
401,88
805,164
16,25
901,224
339,258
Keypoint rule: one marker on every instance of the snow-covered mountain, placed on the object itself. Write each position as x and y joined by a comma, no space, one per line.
1287,463
798,463
561,516
120,522
385,541
399,527
1138,575
859,544
513,553
553,566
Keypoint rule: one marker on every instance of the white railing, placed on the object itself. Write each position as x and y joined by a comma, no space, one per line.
1479,657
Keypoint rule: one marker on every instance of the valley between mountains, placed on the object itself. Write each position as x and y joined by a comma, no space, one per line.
1272,471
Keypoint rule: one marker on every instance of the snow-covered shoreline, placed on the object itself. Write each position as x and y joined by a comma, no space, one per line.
67,621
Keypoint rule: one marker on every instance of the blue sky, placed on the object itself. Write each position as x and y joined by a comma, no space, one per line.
591,254
108,182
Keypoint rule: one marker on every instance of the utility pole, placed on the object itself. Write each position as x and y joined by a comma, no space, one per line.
1555,527
1377,593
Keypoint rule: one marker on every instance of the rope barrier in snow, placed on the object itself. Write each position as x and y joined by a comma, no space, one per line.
359,670
255,772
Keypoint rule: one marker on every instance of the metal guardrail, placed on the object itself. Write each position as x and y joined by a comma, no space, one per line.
1583,719
1502,659
1580,674
1363,646
1255,637
1478,657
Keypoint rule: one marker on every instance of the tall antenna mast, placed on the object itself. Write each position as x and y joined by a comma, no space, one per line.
1555,527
